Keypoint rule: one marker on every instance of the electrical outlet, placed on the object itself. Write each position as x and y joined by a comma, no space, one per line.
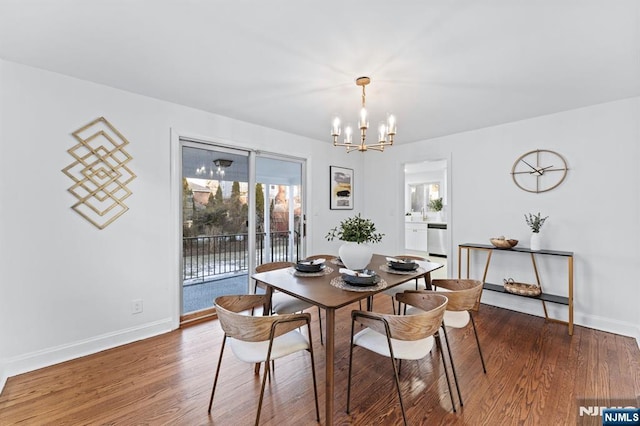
136,306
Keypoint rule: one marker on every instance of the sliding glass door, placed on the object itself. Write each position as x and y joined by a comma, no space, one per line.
220,187
215,213
279,210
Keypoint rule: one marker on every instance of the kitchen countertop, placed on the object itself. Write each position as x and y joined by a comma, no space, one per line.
425,221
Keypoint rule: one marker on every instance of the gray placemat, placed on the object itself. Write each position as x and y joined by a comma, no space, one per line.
386,268
326,271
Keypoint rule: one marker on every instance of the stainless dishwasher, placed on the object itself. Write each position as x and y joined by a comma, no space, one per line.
437,239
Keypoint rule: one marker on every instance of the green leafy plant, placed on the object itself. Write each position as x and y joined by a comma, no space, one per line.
436,204
535,221
355,229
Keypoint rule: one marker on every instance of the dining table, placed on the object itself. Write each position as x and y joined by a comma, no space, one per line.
327,290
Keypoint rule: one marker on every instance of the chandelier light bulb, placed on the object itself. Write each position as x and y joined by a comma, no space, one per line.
382,132
335,129
391,124
348,134
364,123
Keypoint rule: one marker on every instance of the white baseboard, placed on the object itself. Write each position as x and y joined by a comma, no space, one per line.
50,356
534,307
3,375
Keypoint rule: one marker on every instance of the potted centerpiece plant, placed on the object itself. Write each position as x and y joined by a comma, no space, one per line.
535,222
356,232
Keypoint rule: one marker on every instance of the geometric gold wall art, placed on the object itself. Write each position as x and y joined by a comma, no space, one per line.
100,173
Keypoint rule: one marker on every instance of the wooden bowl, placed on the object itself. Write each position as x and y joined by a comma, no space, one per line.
502,243
523,289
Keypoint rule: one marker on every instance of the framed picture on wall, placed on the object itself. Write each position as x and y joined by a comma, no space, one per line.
341,188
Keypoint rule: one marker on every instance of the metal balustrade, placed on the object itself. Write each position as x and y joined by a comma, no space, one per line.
208,257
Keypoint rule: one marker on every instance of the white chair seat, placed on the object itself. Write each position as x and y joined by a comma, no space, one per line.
282,303
454,319
256,352
402,349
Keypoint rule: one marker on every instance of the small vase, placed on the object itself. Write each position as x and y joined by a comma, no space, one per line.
355,256
535,241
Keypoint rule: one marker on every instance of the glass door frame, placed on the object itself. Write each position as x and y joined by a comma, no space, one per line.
177,139
216,148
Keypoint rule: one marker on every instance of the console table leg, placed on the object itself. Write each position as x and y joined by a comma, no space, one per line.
535,270
570,295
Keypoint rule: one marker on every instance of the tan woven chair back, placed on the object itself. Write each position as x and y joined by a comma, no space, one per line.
412,327
464,294
242,326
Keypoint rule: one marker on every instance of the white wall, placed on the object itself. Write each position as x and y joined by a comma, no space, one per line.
66,286
594,213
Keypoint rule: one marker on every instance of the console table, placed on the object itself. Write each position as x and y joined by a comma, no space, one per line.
543,297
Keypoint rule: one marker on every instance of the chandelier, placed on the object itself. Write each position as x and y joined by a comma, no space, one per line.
386,131
222,165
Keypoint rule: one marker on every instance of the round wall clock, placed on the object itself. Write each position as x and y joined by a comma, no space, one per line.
539,171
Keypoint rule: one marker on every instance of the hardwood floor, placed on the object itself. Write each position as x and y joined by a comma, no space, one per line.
536,374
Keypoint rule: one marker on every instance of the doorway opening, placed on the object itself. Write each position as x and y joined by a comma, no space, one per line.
427,218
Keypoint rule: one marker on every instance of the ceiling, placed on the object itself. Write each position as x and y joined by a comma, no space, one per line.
441,67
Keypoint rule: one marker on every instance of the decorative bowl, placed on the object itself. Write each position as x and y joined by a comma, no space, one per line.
403,265
307,267
368,278
503,243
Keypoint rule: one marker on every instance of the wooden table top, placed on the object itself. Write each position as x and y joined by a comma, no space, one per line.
317,290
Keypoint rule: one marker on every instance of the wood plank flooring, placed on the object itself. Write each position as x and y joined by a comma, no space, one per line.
536,374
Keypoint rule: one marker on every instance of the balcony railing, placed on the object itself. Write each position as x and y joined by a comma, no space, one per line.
205,258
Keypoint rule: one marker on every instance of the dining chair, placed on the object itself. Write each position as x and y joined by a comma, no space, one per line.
282,303
257,339
405,286
399,337
464,299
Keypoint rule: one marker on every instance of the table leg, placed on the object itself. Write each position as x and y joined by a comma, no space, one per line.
329,345
427,281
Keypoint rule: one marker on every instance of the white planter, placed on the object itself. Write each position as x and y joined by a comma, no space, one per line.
535,241
355,256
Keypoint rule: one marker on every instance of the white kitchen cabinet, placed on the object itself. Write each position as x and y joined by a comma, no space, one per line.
415,236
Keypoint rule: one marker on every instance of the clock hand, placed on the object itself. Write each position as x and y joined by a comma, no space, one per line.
541,171
534,169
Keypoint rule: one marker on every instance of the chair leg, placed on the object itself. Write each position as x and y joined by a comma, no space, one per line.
393,305
264,382
313,373
350,363
446,373
215,381
453,365
475,332
395,375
